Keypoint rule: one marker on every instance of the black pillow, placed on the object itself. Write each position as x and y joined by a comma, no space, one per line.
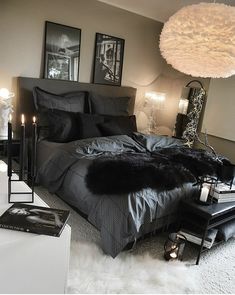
104,105
118,125
88,125
63,126
110,128
70,102
68,126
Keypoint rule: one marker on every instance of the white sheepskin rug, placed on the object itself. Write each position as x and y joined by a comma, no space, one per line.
91,271
142,270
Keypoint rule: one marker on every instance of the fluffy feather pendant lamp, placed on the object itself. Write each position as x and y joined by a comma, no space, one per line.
199,40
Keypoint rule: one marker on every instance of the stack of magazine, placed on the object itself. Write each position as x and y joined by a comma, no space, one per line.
223,193
196,238
34,219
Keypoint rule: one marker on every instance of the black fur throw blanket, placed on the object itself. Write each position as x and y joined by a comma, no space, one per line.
165,169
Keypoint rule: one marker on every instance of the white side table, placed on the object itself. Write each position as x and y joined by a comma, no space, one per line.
31,263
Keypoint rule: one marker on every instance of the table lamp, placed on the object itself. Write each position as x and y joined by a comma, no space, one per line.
156,101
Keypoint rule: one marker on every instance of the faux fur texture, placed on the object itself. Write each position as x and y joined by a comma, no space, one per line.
93,272
89,265
165,169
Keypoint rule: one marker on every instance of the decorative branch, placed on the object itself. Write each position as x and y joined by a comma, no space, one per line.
207,145
190,131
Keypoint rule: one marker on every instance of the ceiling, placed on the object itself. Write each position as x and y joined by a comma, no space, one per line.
159,10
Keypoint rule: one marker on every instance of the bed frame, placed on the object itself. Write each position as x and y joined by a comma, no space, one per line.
24,97
24,104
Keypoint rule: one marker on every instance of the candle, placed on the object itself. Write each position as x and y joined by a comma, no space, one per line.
9,147
22,147
34,144
204,193
173,255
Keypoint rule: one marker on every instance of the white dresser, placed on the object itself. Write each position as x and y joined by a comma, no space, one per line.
31,263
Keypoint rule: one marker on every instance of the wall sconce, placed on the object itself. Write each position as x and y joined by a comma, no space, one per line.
174,246
156,101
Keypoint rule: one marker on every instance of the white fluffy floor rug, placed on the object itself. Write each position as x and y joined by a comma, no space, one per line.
93,272
143,270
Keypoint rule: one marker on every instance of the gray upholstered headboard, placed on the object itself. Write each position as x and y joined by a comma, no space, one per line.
24,101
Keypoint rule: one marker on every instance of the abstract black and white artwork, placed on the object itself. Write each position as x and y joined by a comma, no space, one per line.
62,52
108,61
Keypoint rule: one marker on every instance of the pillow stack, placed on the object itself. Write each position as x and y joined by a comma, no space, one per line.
76,115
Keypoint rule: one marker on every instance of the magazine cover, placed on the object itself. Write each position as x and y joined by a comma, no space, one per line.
34,219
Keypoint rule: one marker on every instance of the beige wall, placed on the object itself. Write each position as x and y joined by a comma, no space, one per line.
221,105
219,117
22,36
22,25
222,146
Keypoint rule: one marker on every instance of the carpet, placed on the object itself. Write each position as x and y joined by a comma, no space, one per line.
142,270
93,272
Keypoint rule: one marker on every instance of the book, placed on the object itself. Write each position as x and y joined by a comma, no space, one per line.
222,195
223,188
223,200
196,238
34,219
223,191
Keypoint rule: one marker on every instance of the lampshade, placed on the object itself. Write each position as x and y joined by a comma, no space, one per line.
156,98
5,93
199,40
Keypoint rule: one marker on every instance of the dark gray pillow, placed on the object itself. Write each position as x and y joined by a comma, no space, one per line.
63,126
110,128
88,125
118,125
226,231
70,102
105,105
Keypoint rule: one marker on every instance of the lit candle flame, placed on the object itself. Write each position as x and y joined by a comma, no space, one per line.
34,119
173,255
10,118
22,119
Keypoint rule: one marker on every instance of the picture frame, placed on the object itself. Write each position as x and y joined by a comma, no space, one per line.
108,60
61,52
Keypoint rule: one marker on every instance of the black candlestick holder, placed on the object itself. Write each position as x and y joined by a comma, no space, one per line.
11,193
22,174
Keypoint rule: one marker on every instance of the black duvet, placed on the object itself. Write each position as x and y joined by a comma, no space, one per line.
93,175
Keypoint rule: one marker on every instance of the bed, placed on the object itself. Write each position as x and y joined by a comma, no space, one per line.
127,185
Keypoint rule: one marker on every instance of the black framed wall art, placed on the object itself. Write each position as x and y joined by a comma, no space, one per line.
62,52
108,59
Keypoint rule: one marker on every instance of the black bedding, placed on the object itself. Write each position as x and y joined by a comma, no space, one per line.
122,215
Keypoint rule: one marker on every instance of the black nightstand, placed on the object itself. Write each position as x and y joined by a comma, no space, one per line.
15,148
205,217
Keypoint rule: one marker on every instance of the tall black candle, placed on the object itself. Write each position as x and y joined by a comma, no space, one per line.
34,144
9,148
22,148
